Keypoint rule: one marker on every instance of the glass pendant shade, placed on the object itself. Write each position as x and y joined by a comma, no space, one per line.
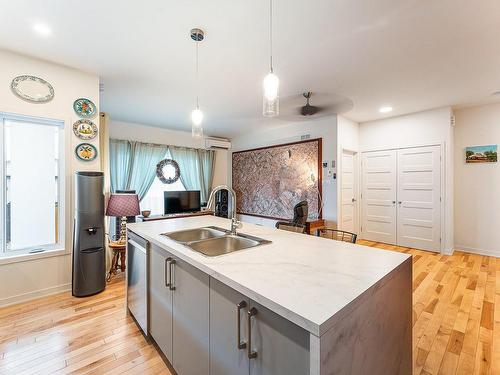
271,86
271,108
271,104
197,131
196,119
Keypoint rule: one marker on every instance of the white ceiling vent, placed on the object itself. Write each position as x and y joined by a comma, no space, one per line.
217,144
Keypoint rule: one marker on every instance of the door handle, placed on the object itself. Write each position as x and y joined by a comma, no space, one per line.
353,200
241,305
393,202
400,202
166,272
170,269
251,354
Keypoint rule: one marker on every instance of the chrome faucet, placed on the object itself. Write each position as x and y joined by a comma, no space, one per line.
211,202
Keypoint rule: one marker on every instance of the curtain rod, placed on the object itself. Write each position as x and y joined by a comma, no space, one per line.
158,144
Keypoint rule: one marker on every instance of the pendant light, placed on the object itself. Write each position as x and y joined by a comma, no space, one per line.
271,104
197,115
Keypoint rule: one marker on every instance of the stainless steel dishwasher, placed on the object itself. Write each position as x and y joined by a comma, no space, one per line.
137,281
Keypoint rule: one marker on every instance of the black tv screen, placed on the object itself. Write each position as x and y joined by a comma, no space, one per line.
175,202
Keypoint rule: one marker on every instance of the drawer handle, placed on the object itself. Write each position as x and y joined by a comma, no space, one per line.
171,283
166,273
251,354
241,305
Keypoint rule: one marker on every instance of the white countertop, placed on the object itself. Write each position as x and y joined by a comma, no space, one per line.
303,278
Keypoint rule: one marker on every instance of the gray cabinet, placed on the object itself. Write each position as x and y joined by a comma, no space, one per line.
273,345
205,327
281,347
160,299
179,303
190,322
228,330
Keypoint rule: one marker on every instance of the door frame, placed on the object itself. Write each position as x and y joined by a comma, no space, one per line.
356,174
444,171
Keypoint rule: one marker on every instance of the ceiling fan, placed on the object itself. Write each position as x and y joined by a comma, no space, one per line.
317,104
308,109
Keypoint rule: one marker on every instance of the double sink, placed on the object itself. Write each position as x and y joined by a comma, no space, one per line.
213,241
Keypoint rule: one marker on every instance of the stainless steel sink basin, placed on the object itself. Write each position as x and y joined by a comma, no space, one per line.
213,241
197,234
226,244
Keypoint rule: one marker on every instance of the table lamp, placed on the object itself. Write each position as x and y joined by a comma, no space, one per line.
123,205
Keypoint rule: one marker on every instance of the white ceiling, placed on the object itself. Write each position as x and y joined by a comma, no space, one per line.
410,54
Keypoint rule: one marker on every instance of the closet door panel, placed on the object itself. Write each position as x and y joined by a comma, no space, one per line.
419,192
379,196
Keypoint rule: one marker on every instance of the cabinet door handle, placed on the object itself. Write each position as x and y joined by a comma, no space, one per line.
241,305
171,284
166,272
251,354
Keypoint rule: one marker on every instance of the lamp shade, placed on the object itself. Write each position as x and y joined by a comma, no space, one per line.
123,205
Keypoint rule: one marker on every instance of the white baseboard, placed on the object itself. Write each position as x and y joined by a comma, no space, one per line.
12,300
448,251
474,250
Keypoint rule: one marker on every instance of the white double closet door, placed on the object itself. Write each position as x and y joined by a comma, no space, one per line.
401,197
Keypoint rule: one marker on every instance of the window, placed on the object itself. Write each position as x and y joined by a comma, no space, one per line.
32,183
153,200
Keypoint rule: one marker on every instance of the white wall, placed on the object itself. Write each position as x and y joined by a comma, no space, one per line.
151,134
325,128
347,139
46,273
417,129
477,186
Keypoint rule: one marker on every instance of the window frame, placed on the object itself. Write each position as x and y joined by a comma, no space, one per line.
59,245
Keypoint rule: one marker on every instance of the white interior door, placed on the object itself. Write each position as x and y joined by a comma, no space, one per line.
378,196
349,194
419,198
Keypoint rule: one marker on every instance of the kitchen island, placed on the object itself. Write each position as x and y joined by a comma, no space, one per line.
298,305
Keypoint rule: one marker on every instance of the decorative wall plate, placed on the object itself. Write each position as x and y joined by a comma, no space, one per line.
84,108
168,171
86,152
85,129
32,89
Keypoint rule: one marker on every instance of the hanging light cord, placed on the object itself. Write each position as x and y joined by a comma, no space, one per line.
197,75
271,34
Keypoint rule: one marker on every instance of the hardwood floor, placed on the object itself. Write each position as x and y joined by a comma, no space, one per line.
456,325
62,334
456,312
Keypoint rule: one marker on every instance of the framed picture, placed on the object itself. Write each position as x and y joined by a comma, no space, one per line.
481,154
269,181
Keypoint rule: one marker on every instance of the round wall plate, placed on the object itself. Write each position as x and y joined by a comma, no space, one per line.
85,129
84,108
32,89
86,152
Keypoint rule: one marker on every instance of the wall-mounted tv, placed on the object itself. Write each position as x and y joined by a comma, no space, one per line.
175,202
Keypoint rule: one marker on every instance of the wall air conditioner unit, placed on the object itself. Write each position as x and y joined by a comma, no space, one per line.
217,144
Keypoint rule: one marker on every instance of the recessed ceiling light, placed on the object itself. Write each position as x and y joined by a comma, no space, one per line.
385,109
42,29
